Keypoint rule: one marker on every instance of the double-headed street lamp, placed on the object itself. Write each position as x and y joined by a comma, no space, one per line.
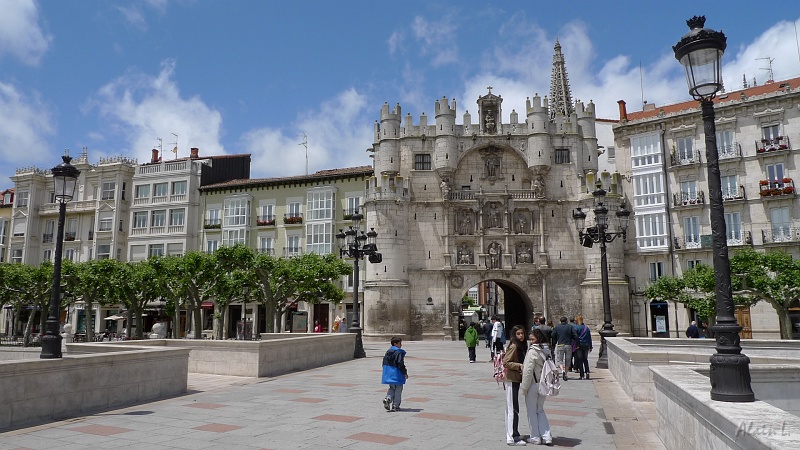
65,176
355,244
700,51
599,234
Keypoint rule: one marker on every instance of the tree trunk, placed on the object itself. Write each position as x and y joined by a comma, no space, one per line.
219,321
89,321
43,313
198,322
269,317
129,324
139,324
176,323
785,321
26,338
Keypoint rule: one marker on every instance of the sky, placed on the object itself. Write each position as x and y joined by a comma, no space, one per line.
256,76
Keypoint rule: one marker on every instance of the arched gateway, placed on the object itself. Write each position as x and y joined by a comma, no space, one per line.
461,205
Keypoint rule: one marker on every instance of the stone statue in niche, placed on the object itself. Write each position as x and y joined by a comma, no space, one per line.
464,255
524,255
493,258
465,222
493,216
522,223
489,124
538,187
492,166
445,190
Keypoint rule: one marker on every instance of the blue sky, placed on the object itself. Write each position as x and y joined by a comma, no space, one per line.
246,76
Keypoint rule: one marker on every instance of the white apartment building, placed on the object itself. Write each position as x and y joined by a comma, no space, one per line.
661,156
165,217
6,203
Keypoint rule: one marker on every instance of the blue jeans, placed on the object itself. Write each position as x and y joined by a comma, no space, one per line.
395,394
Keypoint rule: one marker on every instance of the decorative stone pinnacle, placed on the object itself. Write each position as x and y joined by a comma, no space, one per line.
696,22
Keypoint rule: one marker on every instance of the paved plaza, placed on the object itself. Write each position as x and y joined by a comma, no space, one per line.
447,404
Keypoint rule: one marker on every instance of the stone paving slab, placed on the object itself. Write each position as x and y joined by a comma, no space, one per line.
448,404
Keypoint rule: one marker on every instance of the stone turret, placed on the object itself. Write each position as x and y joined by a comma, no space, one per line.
387,141
540,149
446,150
586,124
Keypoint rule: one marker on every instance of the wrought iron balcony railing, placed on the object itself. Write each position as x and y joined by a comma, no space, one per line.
688,198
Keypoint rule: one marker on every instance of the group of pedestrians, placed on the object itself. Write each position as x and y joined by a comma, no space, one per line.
573,343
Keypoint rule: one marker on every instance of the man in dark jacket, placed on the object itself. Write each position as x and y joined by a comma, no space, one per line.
693,331
563,334
487,333
395,374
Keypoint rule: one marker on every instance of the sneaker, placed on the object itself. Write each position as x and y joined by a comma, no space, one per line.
548,441
564,376
534,440
516,443
471,362
387,404
395,408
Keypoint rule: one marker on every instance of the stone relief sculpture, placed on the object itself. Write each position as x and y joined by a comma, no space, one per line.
521,223
524,255
465,222
489,124
538,187
493,258
492,166
493,219
445,190
465,255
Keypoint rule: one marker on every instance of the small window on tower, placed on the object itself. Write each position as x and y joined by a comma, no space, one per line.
562,156
422,161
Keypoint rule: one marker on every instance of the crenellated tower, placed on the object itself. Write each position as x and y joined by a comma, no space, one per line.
446,151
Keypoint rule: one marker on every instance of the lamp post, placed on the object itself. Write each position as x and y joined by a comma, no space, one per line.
600,234
700,52
355,244
65,176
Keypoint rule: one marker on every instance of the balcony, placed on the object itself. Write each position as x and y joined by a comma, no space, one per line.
688,199
91,235
141,201
770,190
688,242
684,158
729,152
176,229
265,221
292,251
293,219
779,235
347,214
177,198
267,251
138,231
212,224
70,236
739,239
158,229
778,144
731,194
72,207
47,238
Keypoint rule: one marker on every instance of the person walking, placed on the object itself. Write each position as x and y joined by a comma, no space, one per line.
512,361
487,333
693,331
395,374
547,330
317,327
563,334
538,352
584,347
498,336
471,338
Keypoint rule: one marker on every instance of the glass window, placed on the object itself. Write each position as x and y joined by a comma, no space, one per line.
212,217
233,237
771,131
656,270
781,224
725,143
562,156
319,205
685,148
140,219
49,227
108,190
70,254
159,218
611,152
160,190
16,256
353,205
292,245
691,231
422,161
319,237
692,263
176,217
22,199
7,198
142,191
48,255
733,225
105,224
236,211
648,189
266,245
212,245
646,150
651,231
775,172
156,250
179,188
267,212
294,209
103,251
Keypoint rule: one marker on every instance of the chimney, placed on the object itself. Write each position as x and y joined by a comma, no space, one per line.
154,158
623,112
194,152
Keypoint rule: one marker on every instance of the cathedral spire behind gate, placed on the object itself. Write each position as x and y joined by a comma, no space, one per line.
560,95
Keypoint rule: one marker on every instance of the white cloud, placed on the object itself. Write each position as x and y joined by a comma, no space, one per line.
20,33
133,15
339,132
437,39
776,42
395,41
138,108
25,125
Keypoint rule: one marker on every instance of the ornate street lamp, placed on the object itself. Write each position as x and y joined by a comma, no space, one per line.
355,244
65,176
700,51
600,234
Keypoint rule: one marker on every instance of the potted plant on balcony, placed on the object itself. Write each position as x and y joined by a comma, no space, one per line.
787,180
293,220
788,189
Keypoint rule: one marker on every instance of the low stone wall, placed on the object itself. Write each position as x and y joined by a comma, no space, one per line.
19,353
36,390
276,354
689,419
630,359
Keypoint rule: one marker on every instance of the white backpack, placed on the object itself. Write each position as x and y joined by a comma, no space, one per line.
549,384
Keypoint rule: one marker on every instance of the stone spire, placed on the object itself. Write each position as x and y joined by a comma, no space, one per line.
560,95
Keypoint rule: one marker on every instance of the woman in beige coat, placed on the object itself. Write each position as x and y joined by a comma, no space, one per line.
515,353
538,351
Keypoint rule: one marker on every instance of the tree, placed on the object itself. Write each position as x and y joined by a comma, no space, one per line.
200,274
88,281
173,288
234,264
12,289
773,277
283,282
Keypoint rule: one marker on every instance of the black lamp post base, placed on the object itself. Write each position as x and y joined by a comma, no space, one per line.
602,360
51,346
358,352
730,378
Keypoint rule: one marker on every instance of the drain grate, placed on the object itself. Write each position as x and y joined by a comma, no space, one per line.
609,427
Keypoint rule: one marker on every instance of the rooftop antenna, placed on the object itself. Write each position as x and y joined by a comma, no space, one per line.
305,144
641,84
160,149
796,42
175,145
768,69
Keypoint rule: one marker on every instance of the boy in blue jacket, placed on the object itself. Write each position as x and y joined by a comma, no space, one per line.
394,374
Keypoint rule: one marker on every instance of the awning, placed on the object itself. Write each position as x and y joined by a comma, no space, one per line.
207,305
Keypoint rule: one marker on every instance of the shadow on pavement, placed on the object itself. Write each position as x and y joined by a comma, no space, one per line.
566,442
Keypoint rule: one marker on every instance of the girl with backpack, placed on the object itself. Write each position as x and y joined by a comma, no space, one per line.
538,352
512,362
584,347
